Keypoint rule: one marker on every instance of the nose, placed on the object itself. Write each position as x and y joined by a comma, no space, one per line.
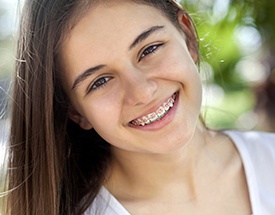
139,87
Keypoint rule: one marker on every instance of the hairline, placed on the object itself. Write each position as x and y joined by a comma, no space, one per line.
85,6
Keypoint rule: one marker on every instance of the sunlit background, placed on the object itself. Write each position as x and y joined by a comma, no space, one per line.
7,29
238,60
237,43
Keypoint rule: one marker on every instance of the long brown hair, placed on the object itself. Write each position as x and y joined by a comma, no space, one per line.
55,167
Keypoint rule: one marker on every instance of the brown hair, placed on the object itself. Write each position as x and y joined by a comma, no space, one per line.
55,167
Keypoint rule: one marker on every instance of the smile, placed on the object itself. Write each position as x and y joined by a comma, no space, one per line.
157,115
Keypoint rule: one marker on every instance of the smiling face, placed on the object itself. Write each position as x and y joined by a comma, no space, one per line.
129,75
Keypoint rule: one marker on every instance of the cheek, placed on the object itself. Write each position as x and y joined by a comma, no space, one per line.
102,112
180,67
106,121
183,70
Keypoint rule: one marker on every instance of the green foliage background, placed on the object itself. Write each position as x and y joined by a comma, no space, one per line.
232,32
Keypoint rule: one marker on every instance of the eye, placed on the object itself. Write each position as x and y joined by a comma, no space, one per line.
97,84
149,50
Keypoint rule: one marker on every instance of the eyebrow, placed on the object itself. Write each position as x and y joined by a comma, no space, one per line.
86,74
145,35
138,40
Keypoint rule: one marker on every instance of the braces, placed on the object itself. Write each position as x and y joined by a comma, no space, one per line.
155,116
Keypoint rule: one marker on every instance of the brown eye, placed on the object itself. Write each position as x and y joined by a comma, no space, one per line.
151,49
101,82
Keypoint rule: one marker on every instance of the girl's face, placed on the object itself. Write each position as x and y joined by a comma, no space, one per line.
130,76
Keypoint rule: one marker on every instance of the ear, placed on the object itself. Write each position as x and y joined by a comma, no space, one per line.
189,30
79,119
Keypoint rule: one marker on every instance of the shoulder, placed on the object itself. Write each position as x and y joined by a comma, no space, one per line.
257,152
258,148
254,142
252,135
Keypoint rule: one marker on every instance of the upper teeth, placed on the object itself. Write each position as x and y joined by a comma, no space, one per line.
157,115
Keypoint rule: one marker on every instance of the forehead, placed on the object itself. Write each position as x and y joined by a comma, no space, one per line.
105,21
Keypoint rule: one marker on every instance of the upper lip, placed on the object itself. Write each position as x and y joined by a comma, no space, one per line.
154,108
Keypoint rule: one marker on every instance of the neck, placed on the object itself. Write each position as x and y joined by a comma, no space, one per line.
149,174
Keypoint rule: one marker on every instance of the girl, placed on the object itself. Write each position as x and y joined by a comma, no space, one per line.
105,118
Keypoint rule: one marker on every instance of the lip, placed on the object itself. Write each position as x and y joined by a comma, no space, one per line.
166,119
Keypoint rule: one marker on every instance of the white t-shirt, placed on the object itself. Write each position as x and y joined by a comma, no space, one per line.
257,151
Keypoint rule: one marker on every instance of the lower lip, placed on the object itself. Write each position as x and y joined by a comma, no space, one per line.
163,121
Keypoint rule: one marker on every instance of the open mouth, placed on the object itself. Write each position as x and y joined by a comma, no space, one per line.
157,115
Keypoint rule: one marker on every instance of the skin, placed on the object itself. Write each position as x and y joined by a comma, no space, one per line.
173,166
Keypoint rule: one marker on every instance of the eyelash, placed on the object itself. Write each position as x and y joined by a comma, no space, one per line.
97,84
149,50
101,82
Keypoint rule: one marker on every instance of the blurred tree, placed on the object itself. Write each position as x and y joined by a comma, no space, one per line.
263,14
237,41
